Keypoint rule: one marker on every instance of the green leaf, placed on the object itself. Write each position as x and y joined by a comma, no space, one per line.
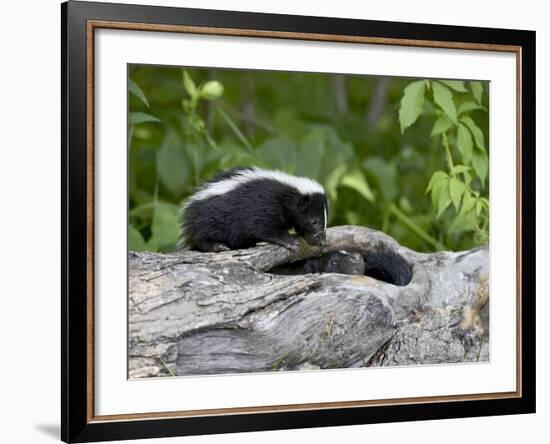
139,117
467,177
136,91
436,190
172,164
476,132
151,245
311,153
477,91
211,90
288,121
333,180
444,98
436,177
458,169
464,143
480,162
464,221
468,106
233,155
319,153
386,176
482,203
479,207
442,124
144,210
457,85
443,196
468,202
165,227
356,180
411,103
279,153
336,150
456,190
135,240
188,84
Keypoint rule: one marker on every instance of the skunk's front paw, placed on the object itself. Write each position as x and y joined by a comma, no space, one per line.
218,247
286,241
292,245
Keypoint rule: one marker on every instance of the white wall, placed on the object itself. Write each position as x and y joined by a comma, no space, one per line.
29,218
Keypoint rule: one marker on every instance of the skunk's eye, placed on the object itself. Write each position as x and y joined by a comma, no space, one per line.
333,263
315,221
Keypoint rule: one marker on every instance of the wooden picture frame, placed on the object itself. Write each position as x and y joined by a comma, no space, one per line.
80,20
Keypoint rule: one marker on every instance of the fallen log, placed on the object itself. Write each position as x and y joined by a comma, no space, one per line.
193,313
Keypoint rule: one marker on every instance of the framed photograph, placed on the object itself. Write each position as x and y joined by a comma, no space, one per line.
275,221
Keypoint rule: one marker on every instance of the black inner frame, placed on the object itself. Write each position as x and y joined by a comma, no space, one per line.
74,424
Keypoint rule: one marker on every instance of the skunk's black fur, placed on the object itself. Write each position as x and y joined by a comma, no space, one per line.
387,266
228,214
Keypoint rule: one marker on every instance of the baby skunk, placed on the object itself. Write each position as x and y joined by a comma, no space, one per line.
338,262
243,206
382,264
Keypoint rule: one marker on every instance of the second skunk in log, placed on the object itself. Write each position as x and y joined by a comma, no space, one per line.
379,263
243,206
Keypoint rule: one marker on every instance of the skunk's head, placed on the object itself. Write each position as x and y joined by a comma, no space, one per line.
338,262
310,217
345,262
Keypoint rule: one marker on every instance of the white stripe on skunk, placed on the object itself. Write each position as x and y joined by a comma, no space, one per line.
303,185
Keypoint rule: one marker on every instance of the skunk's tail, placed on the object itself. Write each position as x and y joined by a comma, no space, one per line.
388,266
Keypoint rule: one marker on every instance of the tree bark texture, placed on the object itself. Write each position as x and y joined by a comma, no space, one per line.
193,313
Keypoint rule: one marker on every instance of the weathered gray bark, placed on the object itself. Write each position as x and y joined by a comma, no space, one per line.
205,313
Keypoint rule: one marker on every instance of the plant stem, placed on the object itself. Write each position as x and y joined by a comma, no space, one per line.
162,361
235,129
415,228
167,367
196,163
448,151
130,134
386,220
253,120
196,141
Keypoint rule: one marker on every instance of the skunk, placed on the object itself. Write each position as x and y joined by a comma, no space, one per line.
243,206
382,264
337,262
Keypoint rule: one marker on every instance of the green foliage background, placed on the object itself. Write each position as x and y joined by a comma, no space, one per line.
405,156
